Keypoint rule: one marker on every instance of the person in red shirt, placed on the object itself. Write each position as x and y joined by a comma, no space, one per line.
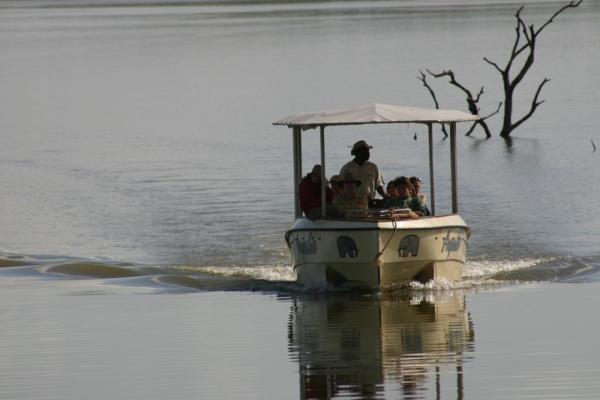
310,195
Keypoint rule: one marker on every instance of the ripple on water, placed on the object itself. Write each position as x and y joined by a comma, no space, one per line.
479,273
92,269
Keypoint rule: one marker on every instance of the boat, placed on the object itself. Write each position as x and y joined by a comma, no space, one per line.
376,248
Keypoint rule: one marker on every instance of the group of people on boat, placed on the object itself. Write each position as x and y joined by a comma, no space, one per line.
356,186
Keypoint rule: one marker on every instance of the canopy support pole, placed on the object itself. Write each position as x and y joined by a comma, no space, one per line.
323,175
431,174
453,166
297,149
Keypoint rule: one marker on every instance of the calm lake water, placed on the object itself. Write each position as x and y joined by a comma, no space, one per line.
145,193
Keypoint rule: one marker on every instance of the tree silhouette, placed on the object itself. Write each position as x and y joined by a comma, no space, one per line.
524,46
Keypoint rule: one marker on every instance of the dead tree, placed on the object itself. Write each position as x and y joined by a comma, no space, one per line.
471,101
524,44
528,35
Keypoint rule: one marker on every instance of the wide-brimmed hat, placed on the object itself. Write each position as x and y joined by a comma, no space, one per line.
335,179
361,144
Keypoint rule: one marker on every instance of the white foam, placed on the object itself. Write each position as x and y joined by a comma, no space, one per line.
266,272
476,275
483,268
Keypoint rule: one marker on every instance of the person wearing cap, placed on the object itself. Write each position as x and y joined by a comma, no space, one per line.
361,169
310,195
349,198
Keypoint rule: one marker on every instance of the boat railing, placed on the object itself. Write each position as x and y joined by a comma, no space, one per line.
391,214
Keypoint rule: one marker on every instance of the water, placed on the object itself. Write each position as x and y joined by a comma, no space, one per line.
142,180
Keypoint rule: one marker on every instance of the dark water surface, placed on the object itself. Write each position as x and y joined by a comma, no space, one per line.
145,193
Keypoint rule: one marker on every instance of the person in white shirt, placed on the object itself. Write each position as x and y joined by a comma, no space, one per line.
361,169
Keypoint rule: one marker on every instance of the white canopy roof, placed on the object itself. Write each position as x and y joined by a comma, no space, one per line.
375,114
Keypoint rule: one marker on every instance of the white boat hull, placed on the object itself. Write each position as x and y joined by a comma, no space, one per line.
378,254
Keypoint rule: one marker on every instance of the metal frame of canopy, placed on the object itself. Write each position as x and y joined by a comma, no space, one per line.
297,125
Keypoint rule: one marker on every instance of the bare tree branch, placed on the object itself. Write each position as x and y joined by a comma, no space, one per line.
423,78
534,104
479,95
493,64
471,101
572,4
525,68
484,124
535,33
520,26
471,129
527,31
494,113
486,128
453,81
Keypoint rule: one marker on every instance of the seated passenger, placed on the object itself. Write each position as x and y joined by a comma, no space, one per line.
310,195
336,185
349,199
392,200
404,200
416,183
391,190
400,180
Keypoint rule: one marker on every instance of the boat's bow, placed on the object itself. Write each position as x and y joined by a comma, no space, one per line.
378,253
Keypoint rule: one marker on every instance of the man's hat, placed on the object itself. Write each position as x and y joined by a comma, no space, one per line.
361,144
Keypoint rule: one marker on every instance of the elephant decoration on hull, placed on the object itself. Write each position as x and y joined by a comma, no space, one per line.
308,246
347,247
409,245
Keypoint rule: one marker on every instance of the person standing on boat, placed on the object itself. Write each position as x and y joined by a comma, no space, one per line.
361,169
310,195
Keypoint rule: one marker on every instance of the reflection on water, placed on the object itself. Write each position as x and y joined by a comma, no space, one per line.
358,346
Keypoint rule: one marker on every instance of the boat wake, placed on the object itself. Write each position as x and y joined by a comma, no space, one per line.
478,274
559,269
